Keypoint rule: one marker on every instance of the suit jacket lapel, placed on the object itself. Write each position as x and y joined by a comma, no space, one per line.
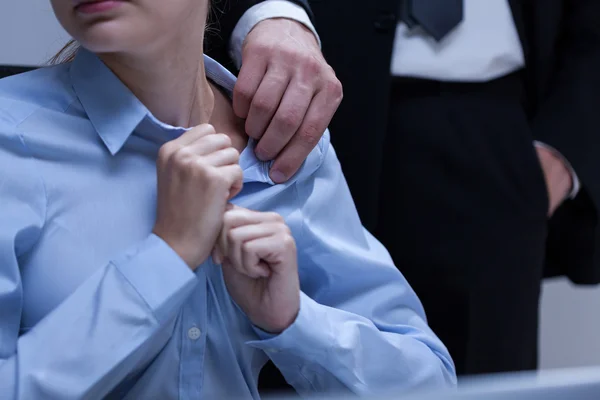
519,11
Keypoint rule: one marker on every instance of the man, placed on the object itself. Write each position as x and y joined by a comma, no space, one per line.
478,122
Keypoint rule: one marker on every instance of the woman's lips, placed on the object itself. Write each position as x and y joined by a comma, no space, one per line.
94,7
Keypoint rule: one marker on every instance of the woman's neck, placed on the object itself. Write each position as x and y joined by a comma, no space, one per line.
172,85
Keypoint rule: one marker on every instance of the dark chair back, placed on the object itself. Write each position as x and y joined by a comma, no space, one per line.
8,70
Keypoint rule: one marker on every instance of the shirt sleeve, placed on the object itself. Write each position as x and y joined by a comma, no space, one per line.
266,10
96,336
361,328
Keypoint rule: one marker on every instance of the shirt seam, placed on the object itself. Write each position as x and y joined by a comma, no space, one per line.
22,139
39,176
154,316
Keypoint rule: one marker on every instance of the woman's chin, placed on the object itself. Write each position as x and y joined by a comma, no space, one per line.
108,37
100,45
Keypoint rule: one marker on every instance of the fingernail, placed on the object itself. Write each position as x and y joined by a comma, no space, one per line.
278,176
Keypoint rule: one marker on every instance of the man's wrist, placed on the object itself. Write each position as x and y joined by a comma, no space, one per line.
266,10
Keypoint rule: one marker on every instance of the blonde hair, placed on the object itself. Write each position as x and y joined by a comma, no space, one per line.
66,54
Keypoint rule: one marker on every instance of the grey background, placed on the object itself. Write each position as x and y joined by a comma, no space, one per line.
570,321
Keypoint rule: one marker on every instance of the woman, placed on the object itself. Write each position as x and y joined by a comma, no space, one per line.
111,211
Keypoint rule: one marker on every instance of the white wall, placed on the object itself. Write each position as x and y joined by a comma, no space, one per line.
570,319
29,33
570,325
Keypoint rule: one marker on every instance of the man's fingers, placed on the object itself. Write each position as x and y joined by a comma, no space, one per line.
249,79
311,130
266,102
286,121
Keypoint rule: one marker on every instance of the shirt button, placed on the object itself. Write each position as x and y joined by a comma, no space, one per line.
194,333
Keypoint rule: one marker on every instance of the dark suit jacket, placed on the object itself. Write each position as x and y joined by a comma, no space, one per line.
561,41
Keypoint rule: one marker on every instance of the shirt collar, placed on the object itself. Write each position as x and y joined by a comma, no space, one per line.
112,108
115,112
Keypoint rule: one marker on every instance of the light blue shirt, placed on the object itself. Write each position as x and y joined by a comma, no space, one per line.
92,304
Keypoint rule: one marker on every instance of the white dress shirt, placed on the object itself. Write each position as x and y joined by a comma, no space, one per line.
484,46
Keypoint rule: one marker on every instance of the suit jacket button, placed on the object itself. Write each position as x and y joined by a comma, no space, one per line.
385,23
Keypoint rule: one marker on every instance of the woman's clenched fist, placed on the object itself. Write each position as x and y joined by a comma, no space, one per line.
258,257
197,173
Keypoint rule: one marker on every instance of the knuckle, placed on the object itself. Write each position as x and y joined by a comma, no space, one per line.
260,48
233,154
243,92
289,54
263,104
231,236
286,229
202,130
334,88
207,129
289,118
229,219
311,134
166,150
246,248
273,216
184,158
231,175
313,66
239,172
223,139
209,174
287,240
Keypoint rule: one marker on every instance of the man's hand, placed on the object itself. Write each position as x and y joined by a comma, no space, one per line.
558,178
287,93
258,257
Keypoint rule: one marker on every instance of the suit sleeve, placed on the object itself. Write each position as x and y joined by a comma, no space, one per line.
224,17
568,117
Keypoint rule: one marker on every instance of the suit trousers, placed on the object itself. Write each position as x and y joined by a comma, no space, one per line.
463,211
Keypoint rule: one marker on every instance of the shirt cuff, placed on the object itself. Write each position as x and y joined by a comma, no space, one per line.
301,339
266,10
158,275
576,185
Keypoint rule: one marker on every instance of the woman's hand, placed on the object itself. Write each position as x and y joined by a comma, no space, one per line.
258,257
198,173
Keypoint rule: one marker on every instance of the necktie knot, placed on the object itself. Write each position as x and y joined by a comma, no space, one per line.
436,17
